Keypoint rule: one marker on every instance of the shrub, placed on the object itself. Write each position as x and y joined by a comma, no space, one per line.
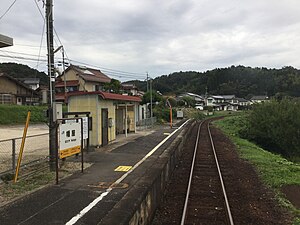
276,126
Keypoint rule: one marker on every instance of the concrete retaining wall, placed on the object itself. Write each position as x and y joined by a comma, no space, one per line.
138,205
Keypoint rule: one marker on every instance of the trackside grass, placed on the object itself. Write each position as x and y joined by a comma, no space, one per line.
274,170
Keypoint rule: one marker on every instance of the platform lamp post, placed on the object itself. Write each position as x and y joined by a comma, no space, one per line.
170,106
151,105
63,64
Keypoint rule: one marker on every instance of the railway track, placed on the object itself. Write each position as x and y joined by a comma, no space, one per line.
206,200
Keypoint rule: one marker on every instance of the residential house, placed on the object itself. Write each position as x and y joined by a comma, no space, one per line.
222,102
13,91
79,78
259,99
243,103
199,100
130,89
33,83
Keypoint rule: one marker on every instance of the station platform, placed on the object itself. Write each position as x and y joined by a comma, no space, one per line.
124,185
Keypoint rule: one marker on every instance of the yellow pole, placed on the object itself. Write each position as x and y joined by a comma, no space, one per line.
22,146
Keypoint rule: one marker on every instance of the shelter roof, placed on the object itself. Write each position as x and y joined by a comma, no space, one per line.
107,96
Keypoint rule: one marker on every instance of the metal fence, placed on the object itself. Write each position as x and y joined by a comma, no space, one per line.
147,122
36,148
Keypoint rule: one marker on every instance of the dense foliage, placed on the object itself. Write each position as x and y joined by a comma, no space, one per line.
22,71
17,114
238,80
275,126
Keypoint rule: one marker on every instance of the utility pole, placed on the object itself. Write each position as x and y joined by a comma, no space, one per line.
151,108
51,74
147,82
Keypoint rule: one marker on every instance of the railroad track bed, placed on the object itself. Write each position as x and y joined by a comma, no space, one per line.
248,200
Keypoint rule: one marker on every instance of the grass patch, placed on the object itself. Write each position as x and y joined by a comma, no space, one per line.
10,190
274,170
17,114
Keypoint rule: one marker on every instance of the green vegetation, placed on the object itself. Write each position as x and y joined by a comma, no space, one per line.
114,86
274,170
23,71
238,80
275,126
17,114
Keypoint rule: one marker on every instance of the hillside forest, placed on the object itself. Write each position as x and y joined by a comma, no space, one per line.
238,80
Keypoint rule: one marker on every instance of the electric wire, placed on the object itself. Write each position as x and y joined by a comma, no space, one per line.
12,4
28,57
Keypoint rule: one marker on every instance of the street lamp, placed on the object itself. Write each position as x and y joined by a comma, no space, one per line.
63,58
170,106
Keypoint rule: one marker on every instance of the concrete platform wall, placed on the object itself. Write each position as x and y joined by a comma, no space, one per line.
138,205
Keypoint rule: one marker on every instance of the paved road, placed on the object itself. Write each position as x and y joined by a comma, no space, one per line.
15,131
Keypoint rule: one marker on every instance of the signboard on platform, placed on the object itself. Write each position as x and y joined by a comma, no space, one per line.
85,127
69,138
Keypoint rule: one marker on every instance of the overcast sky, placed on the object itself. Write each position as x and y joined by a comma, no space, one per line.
158,36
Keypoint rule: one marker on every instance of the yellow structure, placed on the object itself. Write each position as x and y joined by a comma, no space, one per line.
111,114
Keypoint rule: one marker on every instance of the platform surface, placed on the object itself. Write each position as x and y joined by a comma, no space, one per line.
86,198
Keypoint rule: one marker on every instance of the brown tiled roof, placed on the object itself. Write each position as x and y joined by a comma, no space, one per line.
68,83
60,96
106,95
89,74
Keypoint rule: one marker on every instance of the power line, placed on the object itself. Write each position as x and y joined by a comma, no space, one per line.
23,58
20,53
141,75
12,4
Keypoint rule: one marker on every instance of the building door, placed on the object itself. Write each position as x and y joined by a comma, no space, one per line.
104,122
19,101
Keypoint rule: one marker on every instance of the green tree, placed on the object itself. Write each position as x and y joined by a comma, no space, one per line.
190,102
114,86
155,97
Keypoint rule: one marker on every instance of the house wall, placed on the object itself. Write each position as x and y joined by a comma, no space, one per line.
86,104
8,86
94,104
70,75
16,91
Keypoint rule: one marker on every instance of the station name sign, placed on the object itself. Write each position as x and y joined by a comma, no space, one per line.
69,138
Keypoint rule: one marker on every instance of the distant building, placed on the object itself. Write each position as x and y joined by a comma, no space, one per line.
13,91
218,102
33,83
259,99
199,100
130,89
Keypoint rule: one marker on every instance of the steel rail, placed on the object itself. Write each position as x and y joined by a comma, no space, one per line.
221,178
190,178
191,175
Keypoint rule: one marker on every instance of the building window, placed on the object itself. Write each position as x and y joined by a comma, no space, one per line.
6,99
98,88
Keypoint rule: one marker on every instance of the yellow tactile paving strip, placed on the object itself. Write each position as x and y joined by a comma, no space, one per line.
123,168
